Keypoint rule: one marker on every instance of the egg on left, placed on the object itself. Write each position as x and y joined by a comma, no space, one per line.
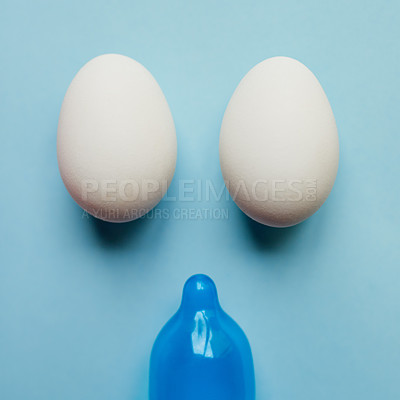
116,139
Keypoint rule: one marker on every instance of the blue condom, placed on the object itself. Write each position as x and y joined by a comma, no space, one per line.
201,353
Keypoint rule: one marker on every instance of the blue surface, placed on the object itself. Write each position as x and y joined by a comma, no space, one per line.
201,353
81,302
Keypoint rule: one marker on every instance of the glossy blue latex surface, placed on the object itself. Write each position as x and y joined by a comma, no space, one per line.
201,353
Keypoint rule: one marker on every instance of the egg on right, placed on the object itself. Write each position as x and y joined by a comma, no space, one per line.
279,147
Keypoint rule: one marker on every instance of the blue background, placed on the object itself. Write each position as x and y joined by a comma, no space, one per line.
81,301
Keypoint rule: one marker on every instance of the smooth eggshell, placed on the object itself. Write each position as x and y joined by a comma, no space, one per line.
116,141
279,148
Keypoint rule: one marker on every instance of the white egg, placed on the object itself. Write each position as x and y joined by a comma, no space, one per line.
279,148
116,141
